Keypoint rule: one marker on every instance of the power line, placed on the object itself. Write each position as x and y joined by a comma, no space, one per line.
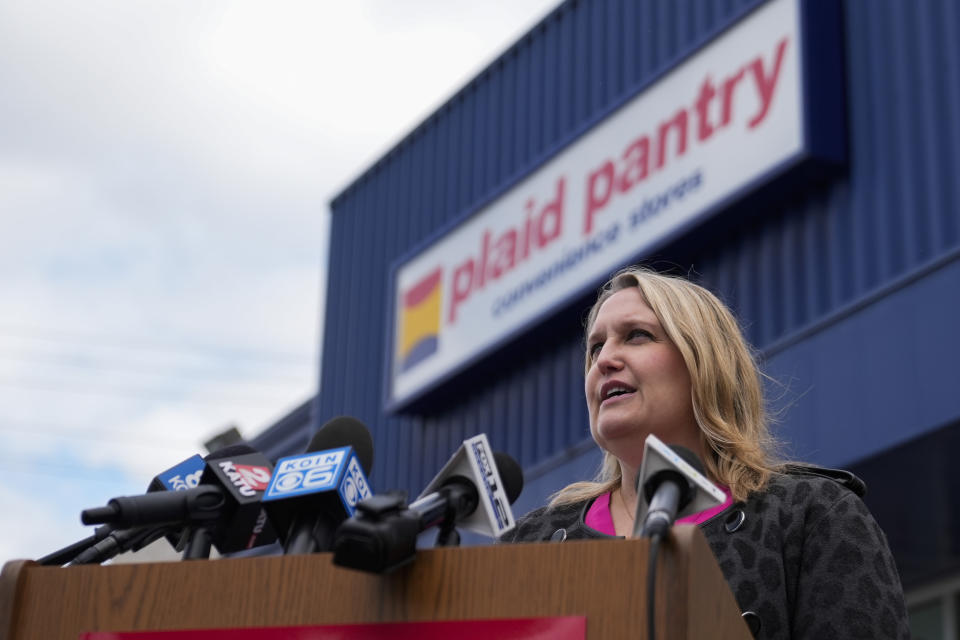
98,435
71,362
145,344
60,471
166,395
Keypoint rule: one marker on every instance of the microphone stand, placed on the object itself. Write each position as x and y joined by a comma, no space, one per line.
118,542
198,544
447,535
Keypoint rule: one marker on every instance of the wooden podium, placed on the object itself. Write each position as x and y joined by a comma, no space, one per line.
602,580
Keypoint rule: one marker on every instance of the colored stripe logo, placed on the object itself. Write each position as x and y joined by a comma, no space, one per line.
420,321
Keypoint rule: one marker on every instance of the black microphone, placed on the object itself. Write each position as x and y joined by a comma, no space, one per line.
118,542
103,545
71,551
312,493
666,492
382,536
200,504
671,484
457,498
188,502
223,509
194,538
243,474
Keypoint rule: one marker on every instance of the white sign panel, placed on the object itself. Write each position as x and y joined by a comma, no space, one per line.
726,116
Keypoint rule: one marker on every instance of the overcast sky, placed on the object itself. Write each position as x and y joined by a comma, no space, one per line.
165,171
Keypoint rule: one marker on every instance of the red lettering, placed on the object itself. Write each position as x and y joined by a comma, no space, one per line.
462,286
637,160
702,107
679,123
498,256
598,200
527,231
550,223
766,84
610,178
728,86
484,253
505,257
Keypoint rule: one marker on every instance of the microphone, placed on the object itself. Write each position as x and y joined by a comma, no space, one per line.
382,536
457,499
162,504
224,507
243,474
118,542
312,493
196,538
203,503
670,485
180,477
475,463
183,475
71,551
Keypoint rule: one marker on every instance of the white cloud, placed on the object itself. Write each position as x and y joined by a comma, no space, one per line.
164,179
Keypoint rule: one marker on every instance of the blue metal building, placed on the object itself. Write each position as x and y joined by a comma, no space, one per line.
844,272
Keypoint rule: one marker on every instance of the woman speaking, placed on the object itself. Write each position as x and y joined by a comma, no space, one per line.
802,554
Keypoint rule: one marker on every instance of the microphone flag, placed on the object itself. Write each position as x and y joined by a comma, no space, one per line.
474,459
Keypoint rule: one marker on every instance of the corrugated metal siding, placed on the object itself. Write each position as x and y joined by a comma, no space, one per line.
786,269
898,208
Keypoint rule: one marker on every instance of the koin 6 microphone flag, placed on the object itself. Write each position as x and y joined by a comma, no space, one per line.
328,484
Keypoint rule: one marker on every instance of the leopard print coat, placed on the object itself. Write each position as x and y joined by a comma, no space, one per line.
804,557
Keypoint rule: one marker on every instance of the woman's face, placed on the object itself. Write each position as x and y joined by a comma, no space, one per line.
637,383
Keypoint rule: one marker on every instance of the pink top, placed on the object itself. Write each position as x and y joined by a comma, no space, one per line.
599,517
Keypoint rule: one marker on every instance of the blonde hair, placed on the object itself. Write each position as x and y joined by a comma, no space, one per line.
726,386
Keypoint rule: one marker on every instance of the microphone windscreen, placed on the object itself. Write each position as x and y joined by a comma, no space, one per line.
344,431
510,473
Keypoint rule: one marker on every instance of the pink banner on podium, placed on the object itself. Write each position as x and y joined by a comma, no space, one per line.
560,628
